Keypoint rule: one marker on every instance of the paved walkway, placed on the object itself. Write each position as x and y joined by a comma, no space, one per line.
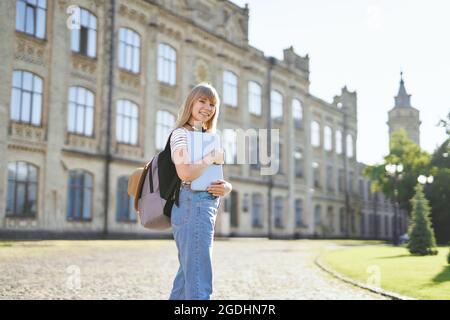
144,269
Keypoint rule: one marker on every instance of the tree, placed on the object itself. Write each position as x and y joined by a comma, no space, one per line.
415,162
438,193
445,123
421,232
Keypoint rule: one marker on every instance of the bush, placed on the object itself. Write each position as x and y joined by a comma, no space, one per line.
448,257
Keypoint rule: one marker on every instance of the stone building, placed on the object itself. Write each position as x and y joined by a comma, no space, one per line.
91,89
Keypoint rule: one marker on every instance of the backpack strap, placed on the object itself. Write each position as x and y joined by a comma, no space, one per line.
150,177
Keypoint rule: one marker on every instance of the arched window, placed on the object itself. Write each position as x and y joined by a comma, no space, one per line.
297,112
22,189
328,138
129,50
315,134
80,118
84,35
338,142
125,204
276,100
254,98
30,17
26,97
79,195
127,122
229,145
165,122
230,88
167,64
350,146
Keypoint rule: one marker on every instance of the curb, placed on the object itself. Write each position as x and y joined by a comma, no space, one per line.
377,290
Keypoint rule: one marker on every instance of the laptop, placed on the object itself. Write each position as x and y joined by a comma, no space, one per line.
199,144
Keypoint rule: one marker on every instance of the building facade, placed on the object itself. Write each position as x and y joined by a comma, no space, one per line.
91,89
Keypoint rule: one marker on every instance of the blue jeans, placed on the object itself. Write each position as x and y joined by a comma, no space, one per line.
193,224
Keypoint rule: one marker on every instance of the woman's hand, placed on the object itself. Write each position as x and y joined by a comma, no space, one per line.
220,188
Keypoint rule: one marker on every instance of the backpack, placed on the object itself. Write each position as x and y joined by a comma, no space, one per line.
154,190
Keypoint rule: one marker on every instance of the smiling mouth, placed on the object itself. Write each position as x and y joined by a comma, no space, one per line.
206,114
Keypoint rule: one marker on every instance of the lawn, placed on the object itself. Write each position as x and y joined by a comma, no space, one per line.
421,277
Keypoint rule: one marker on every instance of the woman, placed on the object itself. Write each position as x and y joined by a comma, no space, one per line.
193,220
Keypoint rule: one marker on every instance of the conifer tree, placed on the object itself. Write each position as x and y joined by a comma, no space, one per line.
421,234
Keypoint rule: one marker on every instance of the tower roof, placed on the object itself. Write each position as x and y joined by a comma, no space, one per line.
403,99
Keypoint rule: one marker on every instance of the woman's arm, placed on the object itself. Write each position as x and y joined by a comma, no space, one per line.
190,171
220,188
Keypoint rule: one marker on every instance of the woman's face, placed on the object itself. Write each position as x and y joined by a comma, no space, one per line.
202,111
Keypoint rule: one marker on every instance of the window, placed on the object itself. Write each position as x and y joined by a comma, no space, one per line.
257,210
30,17
229,145
363,224
79,195
330,178
342,220
387,227
233,209
298,212
349,146
230,88
165,122
84,38
298,159
279,157
125,204
317,215
341,181
328,138
276,102
297,112
315,134
361,190
316,174
127,122
80,117
350,182
338,142
254,151
129,50
254,98
167,64
26,98
330,217
22,189
278,204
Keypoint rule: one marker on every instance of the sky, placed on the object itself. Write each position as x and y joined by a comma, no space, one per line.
364,44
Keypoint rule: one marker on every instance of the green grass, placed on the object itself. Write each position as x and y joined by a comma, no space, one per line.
421,277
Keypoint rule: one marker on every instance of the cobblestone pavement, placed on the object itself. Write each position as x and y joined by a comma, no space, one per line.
244,268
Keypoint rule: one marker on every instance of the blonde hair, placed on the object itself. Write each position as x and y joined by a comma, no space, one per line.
201,90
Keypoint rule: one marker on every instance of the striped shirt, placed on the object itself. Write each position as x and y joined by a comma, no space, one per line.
179,140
